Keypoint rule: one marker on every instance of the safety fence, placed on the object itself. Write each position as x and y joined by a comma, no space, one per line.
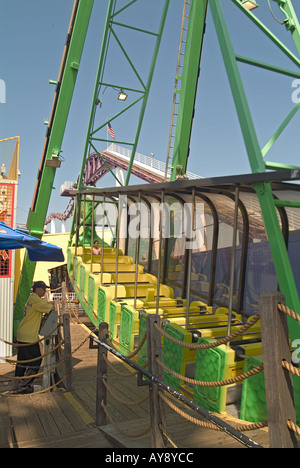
56,354
277,367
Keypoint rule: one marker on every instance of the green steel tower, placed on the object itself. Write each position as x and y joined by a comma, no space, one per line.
256,154
186,95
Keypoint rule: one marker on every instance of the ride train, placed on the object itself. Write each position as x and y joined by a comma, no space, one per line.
196,253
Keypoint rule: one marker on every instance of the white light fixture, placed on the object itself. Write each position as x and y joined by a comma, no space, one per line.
249,4
122,96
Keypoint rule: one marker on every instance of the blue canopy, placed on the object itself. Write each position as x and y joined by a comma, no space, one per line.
38,251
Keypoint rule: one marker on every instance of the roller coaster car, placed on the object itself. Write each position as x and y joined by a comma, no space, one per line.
222,363
95,290
130,319
201,315
149,302
253,401
183,360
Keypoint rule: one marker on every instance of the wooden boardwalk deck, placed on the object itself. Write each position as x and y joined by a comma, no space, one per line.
67,420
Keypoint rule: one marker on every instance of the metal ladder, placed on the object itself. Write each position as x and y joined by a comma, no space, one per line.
176,96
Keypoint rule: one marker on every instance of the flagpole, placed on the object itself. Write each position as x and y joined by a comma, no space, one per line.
107,134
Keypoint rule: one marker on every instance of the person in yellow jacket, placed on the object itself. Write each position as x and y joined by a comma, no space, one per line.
28,337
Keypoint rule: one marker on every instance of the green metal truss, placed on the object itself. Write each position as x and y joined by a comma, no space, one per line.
50,158
111,31
255,153
188,89
189,81
65,87
113,25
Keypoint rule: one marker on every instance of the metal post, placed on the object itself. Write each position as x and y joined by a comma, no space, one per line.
159,249
92,233
77,221
102,249
117,246
137,252
101,374
233,257
189,271
83,225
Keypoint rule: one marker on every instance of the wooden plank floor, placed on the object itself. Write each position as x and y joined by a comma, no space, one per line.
134,419
67,420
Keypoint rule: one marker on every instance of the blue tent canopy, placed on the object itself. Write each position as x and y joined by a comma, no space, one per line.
38,251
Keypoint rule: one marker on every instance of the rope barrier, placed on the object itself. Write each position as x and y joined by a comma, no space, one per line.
139,347
11,395
124,402
291,368
220,383
167,437
18,345
240,427
288,311
291,425
121,374
241,331
224,340
225,427
13,362
39,374
127,434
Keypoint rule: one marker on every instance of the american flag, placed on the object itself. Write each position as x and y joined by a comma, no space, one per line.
110,130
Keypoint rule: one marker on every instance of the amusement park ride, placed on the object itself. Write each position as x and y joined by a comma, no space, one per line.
134,276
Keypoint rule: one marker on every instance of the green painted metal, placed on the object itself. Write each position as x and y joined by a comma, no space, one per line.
142,91
279,131
268,32
211,365
253,401
37,215
255,154
173,354
129,327
189,82
291,20
267,66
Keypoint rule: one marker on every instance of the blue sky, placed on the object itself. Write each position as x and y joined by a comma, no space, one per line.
32,36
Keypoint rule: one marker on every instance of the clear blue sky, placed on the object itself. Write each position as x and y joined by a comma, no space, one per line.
32,36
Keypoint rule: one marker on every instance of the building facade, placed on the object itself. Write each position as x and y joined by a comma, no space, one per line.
9,172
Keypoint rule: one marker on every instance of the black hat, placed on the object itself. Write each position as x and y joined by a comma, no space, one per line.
39,284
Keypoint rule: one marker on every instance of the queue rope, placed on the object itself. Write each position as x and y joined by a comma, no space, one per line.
14,362
220,383
20,345
214,344
33,375
240,427
124,402
115,424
